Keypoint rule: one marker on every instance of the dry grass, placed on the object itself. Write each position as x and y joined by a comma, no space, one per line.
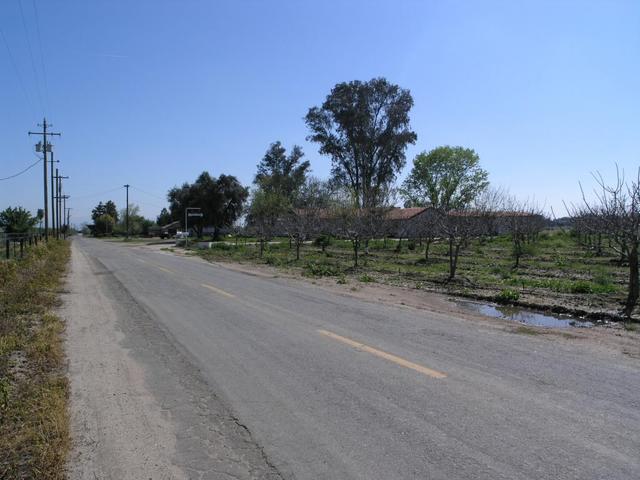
34,424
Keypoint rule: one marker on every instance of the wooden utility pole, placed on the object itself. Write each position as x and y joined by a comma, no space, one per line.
59,197
45,147
64,210
53,191
127,217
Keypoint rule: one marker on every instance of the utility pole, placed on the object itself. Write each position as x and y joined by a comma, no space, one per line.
64,210
56,226
45,147
53,193
58,197
127,217
68,217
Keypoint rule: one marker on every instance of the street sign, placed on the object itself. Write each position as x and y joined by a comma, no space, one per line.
195,214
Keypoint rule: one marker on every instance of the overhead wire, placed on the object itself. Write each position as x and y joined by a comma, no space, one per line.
22,171
42,62
76,197
33,63
17,72
147,193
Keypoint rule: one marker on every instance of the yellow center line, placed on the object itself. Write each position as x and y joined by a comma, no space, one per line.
217,290
165,269
387,356
140,260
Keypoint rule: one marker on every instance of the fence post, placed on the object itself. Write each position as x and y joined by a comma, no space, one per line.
21,247
8,251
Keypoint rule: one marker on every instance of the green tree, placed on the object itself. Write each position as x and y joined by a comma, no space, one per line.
446,178
111,209
221,200
104,224
164,218
136,221
107,208
98,211
364,128
281,173
17,220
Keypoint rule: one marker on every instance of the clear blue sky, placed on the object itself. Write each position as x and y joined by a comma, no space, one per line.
151,93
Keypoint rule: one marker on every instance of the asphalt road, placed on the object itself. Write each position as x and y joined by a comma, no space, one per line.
330,387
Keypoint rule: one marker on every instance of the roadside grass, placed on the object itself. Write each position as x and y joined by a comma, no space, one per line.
524,330
34,424
556,268
126,240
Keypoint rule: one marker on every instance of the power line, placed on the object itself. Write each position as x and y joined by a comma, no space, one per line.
76,197
15,69
33,63
22,171
150,194
44,70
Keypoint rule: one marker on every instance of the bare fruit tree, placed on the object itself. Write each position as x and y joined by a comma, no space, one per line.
615,211
524,221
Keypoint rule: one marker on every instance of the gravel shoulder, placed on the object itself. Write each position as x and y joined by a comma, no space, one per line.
138,407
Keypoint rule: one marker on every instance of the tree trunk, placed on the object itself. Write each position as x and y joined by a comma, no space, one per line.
399,246
453,257
290,239
298,249
261,247
356,244
634,287
426,250
454,265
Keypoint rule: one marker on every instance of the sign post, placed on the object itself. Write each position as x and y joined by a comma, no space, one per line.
196,213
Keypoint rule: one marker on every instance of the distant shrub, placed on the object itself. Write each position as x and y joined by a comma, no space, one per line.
366,278
317,269
223,246
602,279
559,260
411,245
581,286
322,241
508,295
273,260
342,280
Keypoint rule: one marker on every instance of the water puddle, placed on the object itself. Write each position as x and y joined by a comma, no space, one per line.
527,317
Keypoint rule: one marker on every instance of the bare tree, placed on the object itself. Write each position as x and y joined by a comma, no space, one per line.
426,226
458,227
304,219
524,221
265,214
615,210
